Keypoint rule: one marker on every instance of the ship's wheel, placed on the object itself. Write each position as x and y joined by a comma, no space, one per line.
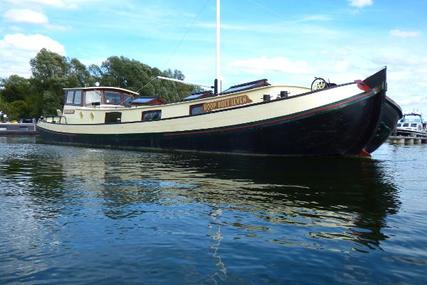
319,84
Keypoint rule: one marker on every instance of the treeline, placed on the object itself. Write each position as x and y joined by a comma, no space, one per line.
42,93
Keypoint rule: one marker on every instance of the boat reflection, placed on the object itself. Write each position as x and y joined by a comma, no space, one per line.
350,198
331,199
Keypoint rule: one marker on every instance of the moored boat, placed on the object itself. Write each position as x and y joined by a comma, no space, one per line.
252,118
412,125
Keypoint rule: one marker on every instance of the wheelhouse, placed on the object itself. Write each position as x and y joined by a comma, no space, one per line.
97,96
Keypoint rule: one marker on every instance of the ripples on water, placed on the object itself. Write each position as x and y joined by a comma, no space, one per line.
80,215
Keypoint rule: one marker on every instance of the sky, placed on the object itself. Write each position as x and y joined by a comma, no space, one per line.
285,41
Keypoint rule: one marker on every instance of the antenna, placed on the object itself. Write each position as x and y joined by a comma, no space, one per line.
217,83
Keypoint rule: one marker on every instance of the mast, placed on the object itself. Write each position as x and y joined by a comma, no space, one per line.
217,83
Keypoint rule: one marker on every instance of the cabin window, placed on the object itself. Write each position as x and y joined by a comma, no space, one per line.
113,98
113,117
93,96
154,115
413,125
196,109
406,125
399,125
70,96
77,97
127,100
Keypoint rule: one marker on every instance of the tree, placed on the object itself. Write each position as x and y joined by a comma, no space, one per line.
15,88
18,109
134,75
78,74
125,73
51,103
42,94
48,65
51,74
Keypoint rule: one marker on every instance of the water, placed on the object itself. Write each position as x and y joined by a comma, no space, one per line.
94,216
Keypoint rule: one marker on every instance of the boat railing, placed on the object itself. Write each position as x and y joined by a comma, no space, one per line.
55,119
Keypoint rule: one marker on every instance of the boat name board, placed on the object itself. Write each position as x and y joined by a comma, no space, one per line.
226,103
69,111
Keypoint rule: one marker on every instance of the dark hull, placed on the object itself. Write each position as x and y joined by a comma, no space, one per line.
390,114
342,128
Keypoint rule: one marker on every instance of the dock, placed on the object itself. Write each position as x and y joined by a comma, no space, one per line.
18,129
407,140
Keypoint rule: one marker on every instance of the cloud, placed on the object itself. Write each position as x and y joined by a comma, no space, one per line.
31,42
64,4
404,34
263,65
25,16
361,3
53,3
16,50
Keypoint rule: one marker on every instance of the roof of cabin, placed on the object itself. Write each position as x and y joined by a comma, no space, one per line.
247,86
103,88
144,100
199,95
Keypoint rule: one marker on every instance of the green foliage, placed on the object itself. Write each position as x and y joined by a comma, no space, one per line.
47,66
15,88
18,109
3,106
42,94
134,75
51,102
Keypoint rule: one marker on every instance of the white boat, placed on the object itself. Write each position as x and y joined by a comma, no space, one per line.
250,118
412,125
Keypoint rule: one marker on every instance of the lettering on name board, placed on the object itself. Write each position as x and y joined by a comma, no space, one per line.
226,103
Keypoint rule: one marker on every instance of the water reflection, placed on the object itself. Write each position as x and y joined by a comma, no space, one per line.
37,179
349,198
326,199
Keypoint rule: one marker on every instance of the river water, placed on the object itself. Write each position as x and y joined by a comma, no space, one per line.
73,215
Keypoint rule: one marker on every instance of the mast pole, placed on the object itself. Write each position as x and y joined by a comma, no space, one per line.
217,84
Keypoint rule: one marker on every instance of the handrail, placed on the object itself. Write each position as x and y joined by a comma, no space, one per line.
55,119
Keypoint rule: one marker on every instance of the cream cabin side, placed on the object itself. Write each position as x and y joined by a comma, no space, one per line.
109,105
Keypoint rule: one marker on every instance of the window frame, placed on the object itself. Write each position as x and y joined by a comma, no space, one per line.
70,97
158,111
110,121
69,94
192,107
91,103
104,98
75,96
